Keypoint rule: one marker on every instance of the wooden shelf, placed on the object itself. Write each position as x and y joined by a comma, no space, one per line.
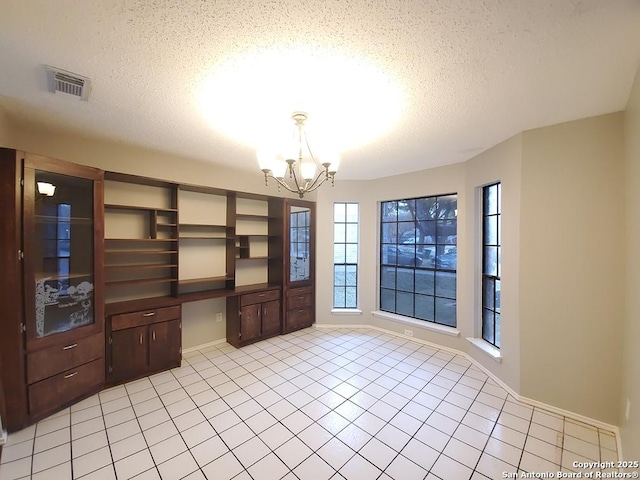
265,257
166,225
201,225
195,281
142,252
205,238
127,240
249,216
140,281
149,266
41,277
113,206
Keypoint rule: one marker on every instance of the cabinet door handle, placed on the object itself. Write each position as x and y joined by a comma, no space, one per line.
301,310
141,339
71,375
69,347
261,294
150,314
153,335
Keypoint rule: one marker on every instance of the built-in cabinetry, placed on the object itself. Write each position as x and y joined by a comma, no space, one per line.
52,331
143,342
253,316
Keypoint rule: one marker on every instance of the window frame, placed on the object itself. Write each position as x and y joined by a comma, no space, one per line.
350,260
490,282
436,301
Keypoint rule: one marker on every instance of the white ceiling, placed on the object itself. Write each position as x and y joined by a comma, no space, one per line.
471,72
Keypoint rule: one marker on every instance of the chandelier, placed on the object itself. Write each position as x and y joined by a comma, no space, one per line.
298,175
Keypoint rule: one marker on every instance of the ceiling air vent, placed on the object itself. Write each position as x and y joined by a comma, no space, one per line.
61,81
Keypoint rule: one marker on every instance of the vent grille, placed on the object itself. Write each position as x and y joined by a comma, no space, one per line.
68,83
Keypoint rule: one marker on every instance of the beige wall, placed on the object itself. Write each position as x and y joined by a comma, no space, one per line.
5,135
630,429
571,265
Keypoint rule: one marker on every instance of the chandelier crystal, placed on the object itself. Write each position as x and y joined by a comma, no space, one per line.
297,173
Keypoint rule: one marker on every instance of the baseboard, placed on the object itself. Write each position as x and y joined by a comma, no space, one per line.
204,345
529,401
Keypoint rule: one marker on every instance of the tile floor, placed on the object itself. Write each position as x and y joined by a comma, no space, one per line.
315,404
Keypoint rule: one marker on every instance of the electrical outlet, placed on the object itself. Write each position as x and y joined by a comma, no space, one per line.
219,317
408,333
627,410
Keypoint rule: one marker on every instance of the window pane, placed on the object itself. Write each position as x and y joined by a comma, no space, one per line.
389,232
389,211
446,311
446,259
404,304
339,212
497,330
488,286
491,260
352,212
446,284
447,230
387,300
294,221
351,253
339,297
339,275
425,281
497,306
426,208
351,275
388,277
491,230
351,298
352,233
339,233
447,206
491,200
425,307
487,325
405,280
339,253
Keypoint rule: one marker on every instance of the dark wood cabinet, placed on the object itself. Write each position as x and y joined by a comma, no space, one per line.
143,342
52,307
253,316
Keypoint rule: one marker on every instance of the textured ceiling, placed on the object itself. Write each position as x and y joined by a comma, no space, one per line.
470,73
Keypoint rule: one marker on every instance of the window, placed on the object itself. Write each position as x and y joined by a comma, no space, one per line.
418,258
491,268
345,255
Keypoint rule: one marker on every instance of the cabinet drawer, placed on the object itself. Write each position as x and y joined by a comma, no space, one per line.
144,317
299,301
296,292
53,360
64,387
300,317
259,297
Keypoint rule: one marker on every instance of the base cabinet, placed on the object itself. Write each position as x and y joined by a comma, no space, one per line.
252,317
143,343
300,309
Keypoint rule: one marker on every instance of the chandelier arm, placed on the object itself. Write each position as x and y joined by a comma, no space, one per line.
283,184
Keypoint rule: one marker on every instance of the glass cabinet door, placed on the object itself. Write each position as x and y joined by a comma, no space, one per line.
299,244
60,252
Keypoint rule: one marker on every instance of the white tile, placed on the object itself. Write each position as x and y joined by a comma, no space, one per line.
153,419
335,453
548,419
293,452
544,450
122,431
314,468
492,467
315,410
401,467
260,421
608,441
128,446
189,419
546,434
151,474
296,422
118,417
333,422
181,407
207,451
213,408
88,427
237,435
505,452
358,468
205,397
59,472
582,431
393,437
448,468
315,436
133,465
17,451
115,405
138,386
420,454
354,437
112,394
275,436
105,473
442,423
51,458
16,469
91,462
533,463
513,422
148,406
160,432
251,451
167,449
143,396
223,468
268,468
224,421
92,401
349,410
281,409
432,437
471,437
479,423
177,467
53,424
378,453
463,453
88,413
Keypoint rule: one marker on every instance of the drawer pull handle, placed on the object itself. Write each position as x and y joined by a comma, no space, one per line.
141,338
69,347
261,294
150,314
71,375
301,298
301,310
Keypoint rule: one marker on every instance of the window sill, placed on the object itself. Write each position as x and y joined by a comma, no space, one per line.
488,349
346,311
434,327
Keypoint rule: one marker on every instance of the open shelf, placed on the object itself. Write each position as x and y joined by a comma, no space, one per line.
195,281
149,266
140,208
141,252
140,281
128,240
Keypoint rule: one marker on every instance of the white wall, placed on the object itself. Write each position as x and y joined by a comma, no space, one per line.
630,429
571,265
